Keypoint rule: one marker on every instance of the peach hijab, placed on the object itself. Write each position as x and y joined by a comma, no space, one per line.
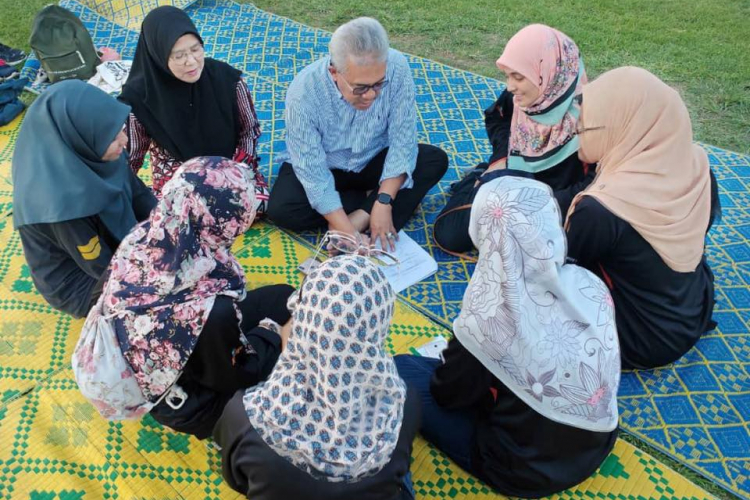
649,172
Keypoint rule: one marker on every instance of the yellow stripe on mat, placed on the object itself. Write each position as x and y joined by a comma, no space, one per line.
130,13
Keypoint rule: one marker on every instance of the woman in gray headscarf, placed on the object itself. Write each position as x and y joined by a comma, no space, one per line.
74,197
526,398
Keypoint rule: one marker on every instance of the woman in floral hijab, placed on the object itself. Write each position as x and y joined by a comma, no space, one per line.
174,332
532,127
526,397
334,420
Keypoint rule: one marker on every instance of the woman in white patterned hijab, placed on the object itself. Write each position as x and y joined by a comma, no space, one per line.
531,377
333,413
544,329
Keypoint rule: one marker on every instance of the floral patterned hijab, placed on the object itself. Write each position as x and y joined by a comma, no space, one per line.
543,135
544,328
164,278
334,403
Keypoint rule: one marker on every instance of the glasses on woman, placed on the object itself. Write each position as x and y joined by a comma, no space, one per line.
181,56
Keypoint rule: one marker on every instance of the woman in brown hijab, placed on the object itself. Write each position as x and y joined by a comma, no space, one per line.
641,224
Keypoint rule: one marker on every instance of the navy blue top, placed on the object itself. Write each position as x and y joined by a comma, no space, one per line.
67,258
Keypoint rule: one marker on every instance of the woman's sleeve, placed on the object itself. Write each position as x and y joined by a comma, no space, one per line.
592,232
143,198
138,143
247,144
221,361
247,139
497,120
565,196
83,242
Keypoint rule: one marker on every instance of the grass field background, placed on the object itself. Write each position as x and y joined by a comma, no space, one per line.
701,47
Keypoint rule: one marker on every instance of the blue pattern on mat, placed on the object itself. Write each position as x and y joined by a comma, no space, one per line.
697,410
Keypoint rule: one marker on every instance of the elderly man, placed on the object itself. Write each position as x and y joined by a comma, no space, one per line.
352,159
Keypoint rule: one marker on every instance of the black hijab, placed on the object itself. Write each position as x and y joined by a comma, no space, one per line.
187,119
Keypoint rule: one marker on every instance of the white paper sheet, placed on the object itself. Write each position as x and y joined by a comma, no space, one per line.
415,264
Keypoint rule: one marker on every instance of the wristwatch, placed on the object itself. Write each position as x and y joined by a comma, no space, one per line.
385,198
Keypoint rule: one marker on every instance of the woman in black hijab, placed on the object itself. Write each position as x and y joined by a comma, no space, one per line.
185,104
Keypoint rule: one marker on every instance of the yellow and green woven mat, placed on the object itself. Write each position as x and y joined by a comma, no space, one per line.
56,446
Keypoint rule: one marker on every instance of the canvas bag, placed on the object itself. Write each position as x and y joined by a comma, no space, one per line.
105,377
63,45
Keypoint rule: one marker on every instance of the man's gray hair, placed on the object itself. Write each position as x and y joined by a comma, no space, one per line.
363,39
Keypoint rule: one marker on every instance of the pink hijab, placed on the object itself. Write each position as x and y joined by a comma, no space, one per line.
543,134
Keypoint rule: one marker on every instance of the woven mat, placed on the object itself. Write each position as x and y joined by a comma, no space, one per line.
697,411
55,445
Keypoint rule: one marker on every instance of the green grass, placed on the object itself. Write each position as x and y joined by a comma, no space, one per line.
700,47
15,21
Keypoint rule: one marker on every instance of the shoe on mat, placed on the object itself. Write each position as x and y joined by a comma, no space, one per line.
7,72
12,56
41,77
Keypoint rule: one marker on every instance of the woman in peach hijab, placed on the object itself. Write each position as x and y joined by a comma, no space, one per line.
641,224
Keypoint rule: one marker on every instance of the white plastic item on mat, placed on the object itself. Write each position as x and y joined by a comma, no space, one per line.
434,348
111,75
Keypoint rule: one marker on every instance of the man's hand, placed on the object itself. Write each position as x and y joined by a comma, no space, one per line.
338,221
381,215
381,226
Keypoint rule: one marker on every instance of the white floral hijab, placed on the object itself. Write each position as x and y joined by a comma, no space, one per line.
334,403
544,328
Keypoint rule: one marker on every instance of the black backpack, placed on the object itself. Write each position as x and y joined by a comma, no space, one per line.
63,45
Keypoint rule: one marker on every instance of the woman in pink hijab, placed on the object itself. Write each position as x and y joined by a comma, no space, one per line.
532,128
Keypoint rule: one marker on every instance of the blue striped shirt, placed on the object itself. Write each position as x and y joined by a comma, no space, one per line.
323,131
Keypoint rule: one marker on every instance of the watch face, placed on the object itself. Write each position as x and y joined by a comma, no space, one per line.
385,198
